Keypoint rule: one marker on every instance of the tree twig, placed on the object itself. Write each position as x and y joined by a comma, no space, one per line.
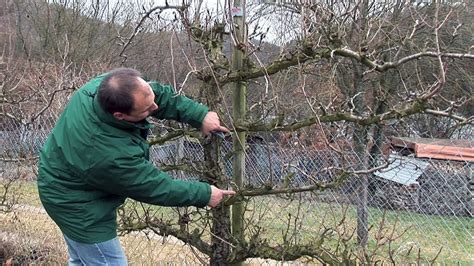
137,28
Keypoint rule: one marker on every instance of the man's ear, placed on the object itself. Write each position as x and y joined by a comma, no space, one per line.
119,115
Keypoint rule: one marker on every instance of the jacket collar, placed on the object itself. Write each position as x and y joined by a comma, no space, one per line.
111,120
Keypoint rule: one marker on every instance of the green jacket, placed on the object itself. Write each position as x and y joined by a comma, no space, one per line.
91,162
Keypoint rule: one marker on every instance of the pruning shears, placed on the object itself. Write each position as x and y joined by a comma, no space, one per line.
218,134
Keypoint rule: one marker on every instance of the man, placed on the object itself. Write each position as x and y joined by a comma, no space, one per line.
97,155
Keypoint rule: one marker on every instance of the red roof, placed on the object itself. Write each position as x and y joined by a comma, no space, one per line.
445,149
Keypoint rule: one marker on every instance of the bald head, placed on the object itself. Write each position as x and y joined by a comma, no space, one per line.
125,95
117,88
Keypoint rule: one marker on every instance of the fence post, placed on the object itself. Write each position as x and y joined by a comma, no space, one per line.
239,112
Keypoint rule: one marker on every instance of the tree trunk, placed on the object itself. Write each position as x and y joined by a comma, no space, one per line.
220,215
220,234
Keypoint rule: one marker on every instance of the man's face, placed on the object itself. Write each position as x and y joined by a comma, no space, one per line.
144,104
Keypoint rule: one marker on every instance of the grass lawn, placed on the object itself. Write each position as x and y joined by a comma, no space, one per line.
429,233
302,222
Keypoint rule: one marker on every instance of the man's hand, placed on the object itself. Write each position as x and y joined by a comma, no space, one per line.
217,195
211,123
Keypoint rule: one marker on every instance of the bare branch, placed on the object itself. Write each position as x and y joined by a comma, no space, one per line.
312,54
50,101
162,228
138,27
277,124
389,65
459,118
28,159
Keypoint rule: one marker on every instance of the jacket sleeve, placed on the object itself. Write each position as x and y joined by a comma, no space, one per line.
177,107
123,171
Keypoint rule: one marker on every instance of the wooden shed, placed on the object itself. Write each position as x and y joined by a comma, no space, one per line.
444,149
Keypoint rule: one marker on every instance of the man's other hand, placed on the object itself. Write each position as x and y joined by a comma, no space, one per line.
217,195
211,123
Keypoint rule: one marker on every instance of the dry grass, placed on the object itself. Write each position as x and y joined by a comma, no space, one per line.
28,235
31,236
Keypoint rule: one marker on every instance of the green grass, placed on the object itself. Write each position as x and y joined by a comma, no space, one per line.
427,233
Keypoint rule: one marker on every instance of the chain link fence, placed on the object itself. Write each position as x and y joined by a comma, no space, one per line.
419,209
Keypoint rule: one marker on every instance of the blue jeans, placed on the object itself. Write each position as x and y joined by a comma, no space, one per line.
105,253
